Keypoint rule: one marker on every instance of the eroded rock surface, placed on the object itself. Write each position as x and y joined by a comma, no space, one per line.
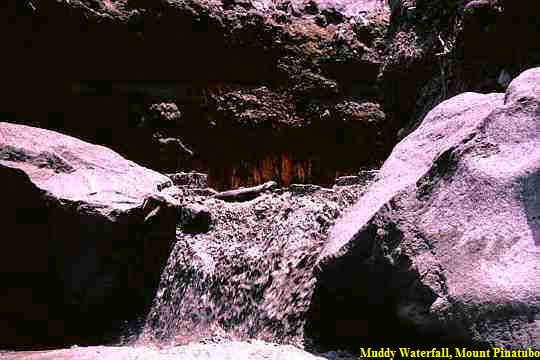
86,234
449,230
248,67
261,81
439,49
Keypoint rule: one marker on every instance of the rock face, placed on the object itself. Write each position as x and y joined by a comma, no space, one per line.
438,49
447,238
85,237
277,77
262,81
190,180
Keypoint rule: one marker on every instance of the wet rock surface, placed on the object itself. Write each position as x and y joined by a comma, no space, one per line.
449,228
254,350
250,273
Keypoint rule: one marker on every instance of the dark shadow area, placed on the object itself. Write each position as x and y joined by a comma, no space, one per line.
116,115
70,276
97,83
356,302
530,193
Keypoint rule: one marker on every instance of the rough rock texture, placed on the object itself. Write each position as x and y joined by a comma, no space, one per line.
249,272
438,49
449,229
258,80
275,76
189,180
85,237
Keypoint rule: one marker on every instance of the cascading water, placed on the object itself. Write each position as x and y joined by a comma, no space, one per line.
250,275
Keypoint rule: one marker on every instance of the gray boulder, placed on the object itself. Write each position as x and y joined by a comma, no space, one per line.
85,236
450,230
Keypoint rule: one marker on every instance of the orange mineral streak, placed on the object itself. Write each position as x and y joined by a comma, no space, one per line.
278,167
282,167
286,168
268,165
